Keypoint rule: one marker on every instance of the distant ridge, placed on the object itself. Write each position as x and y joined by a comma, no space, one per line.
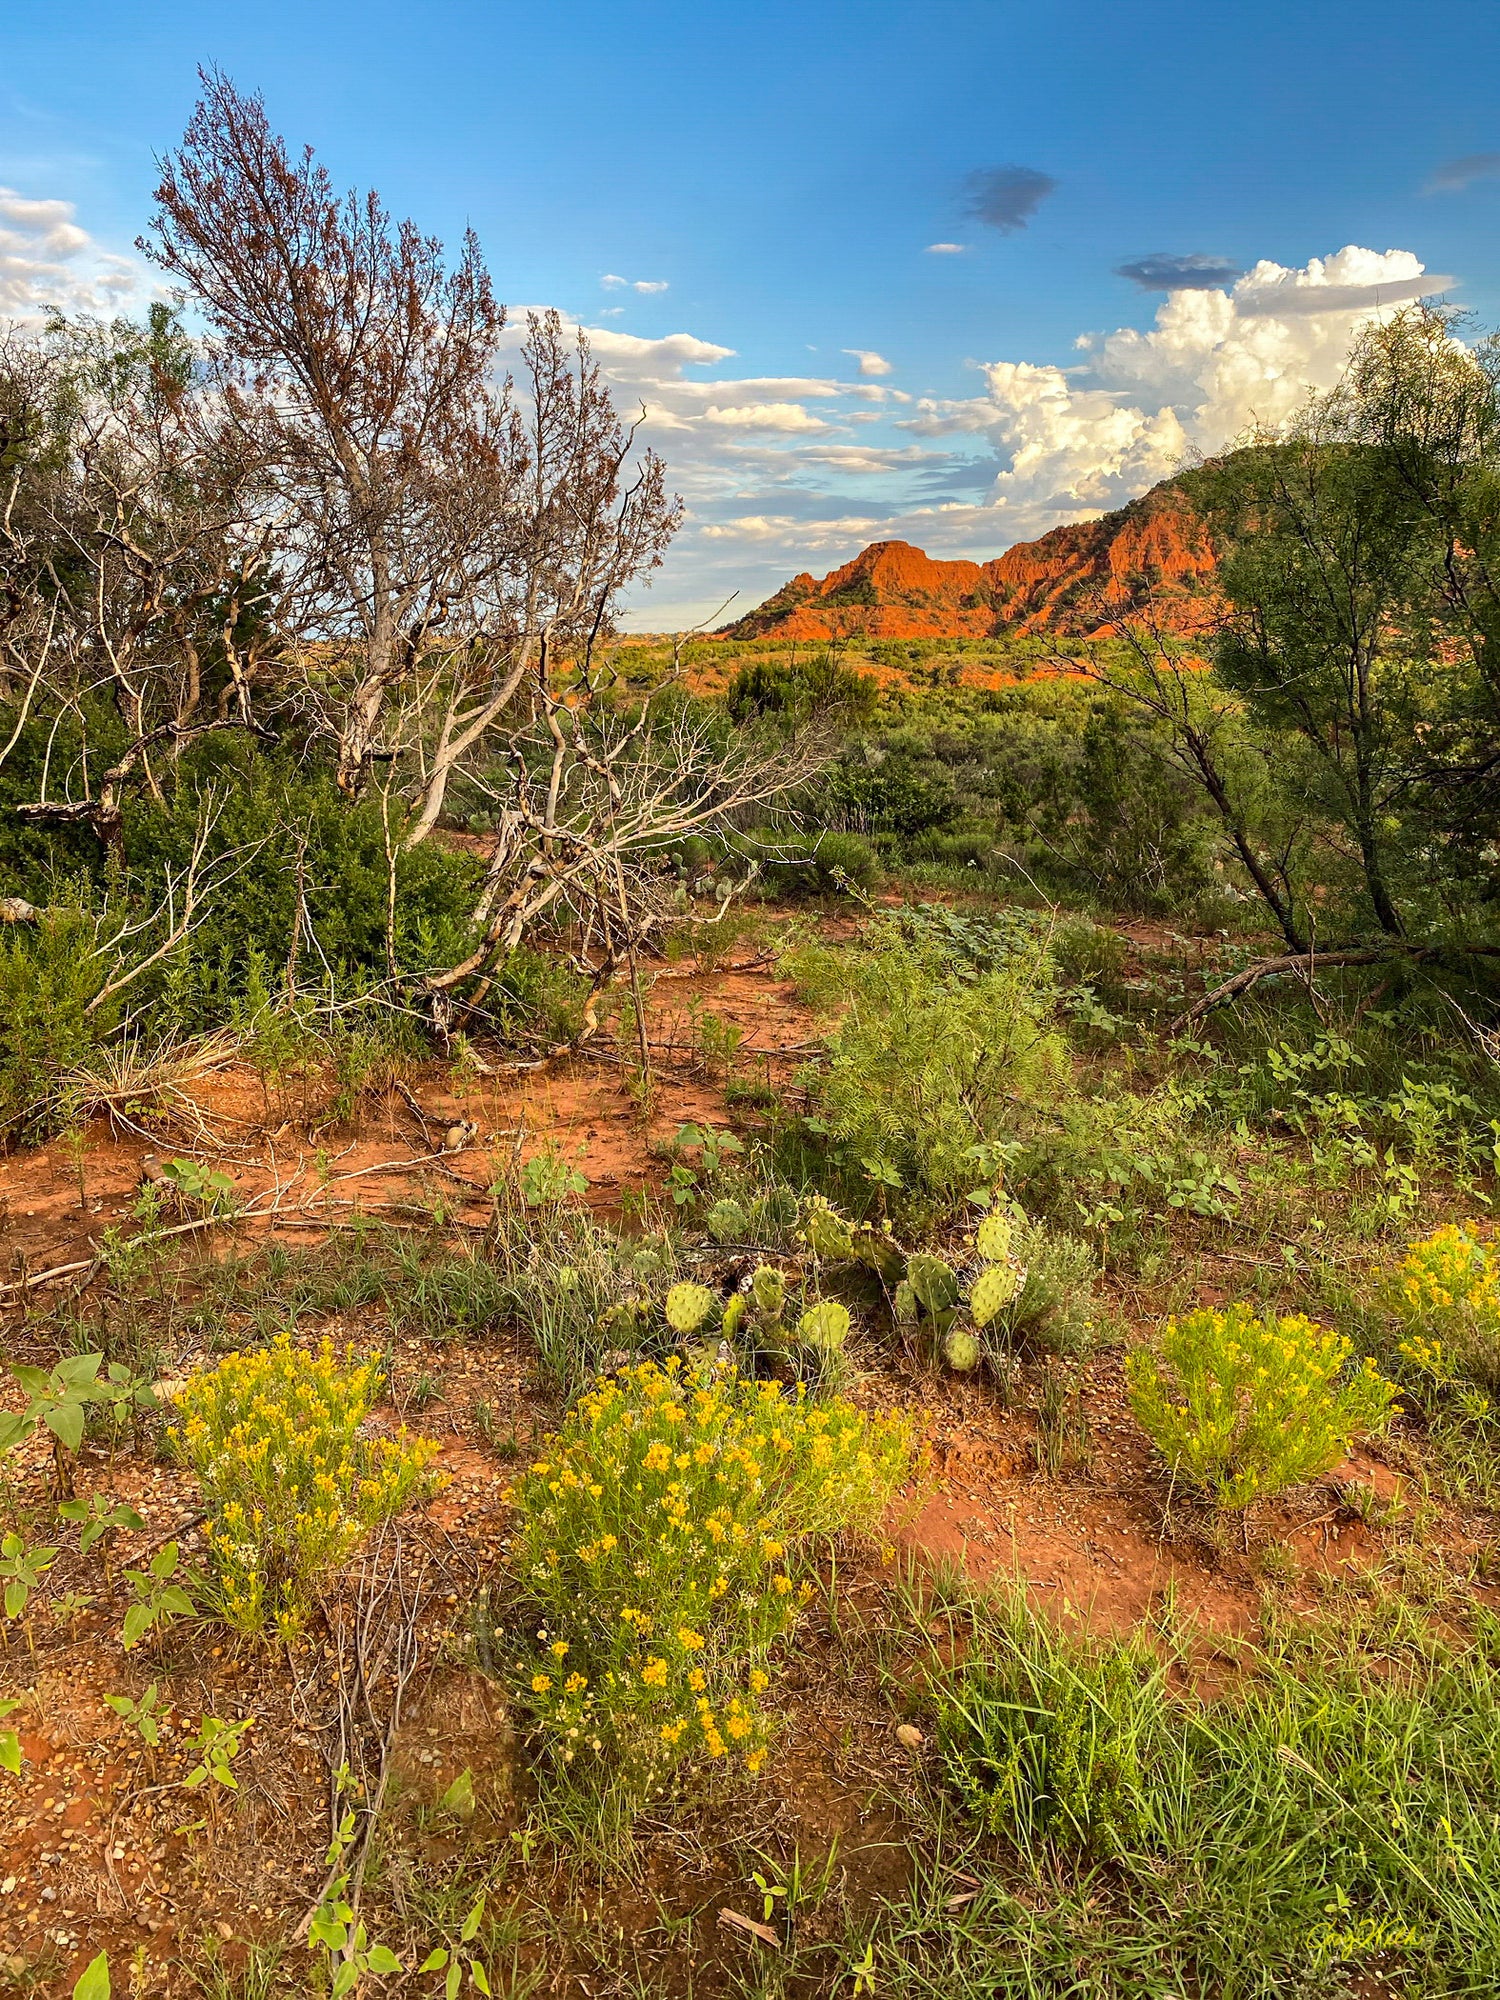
1071,582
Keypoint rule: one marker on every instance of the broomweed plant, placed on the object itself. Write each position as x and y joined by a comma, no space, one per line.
1446,1292
290,1482
1245,1406
657,1539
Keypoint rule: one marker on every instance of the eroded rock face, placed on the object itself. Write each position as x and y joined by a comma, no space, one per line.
1071,582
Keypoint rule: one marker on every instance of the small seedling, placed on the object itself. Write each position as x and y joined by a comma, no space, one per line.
218,1743
10,1740
158,1600
99,1515
22,1569
547,1178
145,1713
770,1892
453,1960
348,1955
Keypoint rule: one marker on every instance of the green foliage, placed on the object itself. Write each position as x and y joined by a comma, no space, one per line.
10,1740
794,692
21,1570
60,1398
926,1068
98,1516
144,1713
1330,1812
1245,1405
160,1598
50,973
548,1177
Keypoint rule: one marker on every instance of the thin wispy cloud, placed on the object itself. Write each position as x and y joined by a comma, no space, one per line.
613,282
1006,198
946,249
1162,272
47,261
1456,175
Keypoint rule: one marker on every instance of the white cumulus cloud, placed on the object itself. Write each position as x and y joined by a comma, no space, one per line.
870,363
613,282
47,261
1071,442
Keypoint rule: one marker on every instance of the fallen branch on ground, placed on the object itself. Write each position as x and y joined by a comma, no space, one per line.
1305,963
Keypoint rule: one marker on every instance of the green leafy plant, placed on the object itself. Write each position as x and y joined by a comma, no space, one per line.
548,1178
455,1959
1245,1405
185,1189
160,1598
10,1739
339,1935
218,1744
22,1570
144,1714
99,1516
93,1981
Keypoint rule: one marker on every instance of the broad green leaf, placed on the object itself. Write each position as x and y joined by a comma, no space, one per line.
16,1595
10,1752
174,1599
93,1982
77,1369
138,1620
472,1922
454,1980
65,1421
344,1983
434,1961
164,1562
479,1976
35,1381
383,1959
14,1426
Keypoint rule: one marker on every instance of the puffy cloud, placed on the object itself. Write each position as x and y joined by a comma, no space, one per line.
47,261
1455,175
870,363
1007,197
1072,442
1162,272
784,417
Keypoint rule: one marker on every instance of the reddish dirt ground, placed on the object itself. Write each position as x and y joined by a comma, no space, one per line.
99,1848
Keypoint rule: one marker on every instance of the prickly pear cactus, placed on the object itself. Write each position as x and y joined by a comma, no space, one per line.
905,1303
995,1233
726,1222
961,1350
734,1315
934,1282
993,1290
880,1255
768,1289
688,1306
829,1236
825,1326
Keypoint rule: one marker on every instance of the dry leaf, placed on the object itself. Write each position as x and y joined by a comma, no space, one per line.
732,1920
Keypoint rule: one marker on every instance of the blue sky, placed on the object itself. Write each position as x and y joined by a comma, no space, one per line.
779,171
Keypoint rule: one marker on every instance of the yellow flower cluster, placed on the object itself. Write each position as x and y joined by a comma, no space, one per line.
1447,1290
1245,1405
290,1481
655,1535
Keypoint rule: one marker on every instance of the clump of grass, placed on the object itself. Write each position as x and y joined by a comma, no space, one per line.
1329,1816
1244,1405
656,1544
290,1479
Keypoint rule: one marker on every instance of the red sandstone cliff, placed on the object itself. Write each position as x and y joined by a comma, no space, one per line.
1070,582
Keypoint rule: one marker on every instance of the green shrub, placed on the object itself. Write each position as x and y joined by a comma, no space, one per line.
656,1541
815,863
50,971
1244,1406
929,1067
795,691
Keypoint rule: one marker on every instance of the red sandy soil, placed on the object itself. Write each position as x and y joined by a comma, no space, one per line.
92,1855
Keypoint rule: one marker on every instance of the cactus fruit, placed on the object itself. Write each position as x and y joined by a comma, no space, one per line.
994,1237
688,1306
961,1350
993,1289
825,1325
